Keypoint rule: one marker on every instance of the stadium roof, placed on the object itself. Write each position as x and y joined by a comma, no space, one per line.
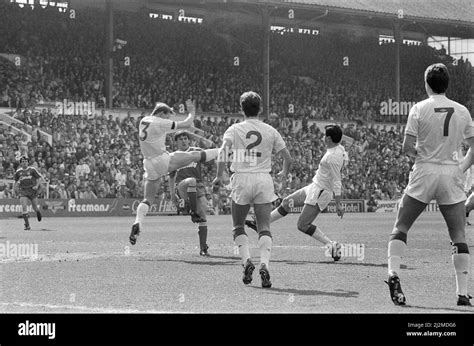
451,10
454,18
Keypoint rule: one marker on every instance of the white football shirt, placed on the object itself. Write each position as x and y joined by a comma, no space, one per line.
152,135
328,175
440,125
253,142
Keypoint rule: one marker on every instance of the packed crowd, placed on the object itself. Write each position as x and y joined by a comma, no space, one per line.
336,77
93,157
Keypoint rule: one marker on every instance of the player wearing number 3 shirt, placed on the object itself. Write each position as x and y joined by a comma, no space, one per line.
252,143
435,129
157,162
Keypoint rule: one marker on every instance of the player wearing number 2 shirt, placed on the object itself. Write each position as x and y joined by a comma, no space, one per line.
435,130
252,143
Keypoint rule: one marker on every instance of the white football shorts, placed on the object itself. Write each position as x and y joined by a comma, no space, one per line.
316,195
444,183
156,167
252,188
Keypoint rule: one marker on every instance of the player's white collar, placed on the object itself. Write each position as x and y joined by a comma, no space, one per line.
334,148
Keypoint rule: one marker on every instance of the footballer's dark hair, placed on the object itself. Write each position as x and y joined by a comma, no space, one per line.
162,107
335,132
24,158
180,134
437,77
250,103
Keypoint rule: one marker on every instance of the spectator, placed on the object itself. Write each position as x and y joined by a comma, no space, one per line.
82,170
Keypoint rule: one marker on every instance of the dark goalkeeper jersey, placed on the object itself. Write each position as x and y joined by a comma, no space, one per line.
193,170
27,177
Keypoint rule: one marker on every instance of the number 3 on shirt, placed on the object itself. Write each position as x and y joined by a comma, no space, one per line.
449,111
143,133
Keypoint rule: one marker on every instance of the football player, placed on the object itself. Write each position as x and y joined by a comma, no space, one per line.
252,142
188,183
316,196
27,182
435,130
157,161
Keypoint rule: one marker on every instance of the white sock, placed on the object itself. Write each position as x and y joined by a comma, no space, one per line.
461,266
396,249
265,245
211,154
141,212
321,237
275,216
242,241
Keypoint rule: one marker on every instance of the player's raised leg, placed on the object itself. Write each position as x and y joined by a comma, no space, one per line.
455,220
239,213
187,190
305,225
294,200
408,211
181,159
262,215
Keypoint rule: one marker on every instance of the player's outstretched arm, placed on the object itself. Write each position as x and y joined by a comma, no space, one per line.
39,179
287,161
336,173
221,160
469,159
189,121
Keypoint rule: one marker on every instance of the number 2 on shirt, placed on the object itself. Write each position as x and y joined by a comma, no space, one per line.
254,144
449,111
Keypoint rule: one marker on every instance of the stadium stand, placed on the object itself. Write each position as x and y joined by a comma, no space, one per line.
94,156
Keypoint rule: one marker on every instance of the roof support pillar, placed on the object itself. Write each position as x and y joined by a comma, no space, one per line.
266,61
397,34
109,54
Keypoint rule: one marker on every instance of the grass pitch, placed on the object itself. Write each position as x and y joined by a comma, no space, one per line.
86,265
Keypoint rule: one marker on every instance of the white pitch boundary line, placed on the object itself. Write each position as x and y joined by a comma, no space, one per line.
84,309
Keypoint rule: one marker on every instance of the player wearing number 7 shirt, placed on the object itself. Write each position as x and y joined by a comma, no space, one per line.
252,143
435,129
157,162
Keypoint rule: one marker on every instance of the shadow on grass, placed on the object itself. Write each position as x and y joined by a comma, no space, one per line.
41,230
363,264
210,260
337,292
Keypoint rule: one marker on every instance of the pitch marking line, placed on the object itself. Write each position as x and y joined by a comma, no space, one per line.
81,308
